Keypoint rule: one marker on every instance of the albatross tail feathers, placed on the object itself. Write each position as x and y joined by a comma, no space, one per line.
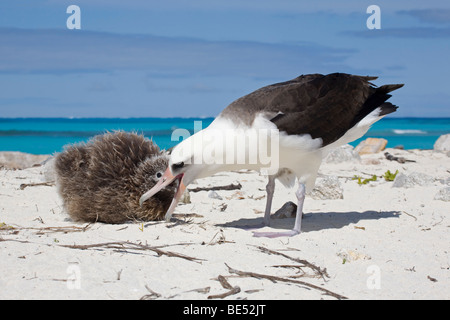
389,87
387,108
381,95
377,100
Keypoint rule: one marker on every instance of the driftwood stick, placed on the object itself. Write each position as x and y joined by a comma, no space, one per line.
48,184
58,229
200,290
119,246
187,215
280,279
132,246
321,272
226,285
235,290
227,187
224,282
152,296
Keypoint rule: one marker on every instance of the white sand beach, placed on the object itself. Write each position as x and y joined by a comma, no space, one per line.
377,242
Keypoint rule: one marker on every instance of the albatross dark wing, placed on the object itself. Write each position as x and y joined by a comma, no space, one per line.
324,106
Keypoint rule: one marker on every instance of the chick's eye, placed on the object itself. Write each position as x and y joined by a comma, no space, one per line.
159,175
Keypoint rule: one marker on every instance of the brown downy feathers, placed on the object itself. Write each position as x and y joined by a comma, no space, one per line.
103,179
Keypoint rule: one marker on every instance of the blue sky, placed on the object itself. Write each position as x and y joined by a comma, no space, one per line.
192,58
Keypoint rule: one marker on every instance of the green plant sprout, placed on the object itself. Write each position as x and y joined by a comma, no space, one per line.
389,176
365,181
4,226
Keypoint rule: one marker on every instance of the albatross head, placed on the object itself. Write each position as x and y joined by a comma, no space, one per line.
182,168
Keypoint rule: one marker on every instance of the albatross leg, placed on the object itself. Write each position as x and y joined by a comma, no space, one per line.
270,188
301,192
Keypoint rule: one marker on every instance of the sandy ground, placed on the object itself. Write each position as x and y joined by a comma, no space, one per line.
378,242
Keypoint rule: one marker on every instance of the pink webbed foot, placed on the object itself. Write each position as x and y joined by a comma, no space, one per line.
273,234
298,219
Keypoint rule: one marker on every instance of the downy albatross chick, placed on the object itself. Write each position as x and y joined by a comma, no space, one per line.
312,115
103,179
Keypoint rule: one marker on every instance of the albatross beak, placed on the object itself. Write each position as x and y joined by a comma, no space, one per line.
165,180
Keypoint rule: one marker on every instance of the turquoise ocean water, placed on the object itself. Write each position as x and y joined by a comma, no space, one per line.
49,135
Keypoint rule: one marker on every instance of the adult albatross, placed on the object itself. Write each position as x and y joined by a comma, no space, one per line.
312,115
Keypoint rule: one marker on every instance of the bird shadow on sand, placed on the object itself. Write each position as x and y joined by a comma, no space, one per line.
315,221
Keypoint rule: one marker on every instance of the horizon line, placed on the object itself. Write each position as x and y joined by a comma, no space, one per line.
111,118
187,118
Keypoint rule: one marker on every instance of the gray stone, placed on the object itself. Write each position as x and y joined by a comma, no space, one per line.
48,167
445,181
414,179
345,153
328,188
443,194
442,143
288,210
20,160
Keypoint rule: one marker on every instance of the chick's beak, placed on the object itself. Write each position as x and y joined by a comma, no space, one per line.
165,180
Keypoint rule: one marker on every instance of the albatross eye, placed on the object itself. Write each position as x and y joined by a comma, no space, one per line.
159,174
178,165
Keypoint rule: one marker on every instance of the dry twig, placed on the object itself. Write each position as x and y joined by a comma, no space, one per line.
40,231
408,214
60,229
227,187
200,290
226,285
186,215
221,239
126,245
48,184
152,296
280,279
317,270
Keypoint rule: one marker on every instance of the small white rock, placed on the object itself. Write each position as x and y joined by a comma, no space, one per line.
214,195
48,167
344,153
20,160
443,194
352,255
328,188
442,143
413,179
